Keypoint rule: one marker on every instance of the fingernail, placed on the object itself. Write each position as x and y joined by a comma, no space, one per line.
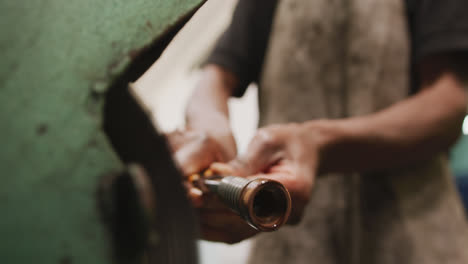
222,168
196,197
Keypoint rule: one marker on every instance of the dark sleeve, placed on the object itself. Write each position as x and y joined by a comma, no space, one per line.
438,26
241,48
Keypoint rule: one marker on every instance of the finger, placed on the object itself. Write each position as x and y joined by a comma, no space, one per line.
224,235
212,201
196,197
254,163
193,158
194,194
173,139
285,177
224,220
221,168
210,234
263,151
179,138
219,218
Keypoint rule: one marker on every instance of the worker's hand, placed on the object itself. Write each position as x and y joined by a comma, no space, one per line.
195,151
286,153
217,221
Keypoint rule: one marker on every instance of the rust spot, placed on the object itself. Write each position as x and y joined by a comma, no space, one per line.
42,129
149,25
66,260
133,54
113,65
92,143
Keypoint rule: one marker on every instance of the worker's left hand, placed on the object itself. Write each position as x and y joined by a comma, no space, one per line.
217,221
286,153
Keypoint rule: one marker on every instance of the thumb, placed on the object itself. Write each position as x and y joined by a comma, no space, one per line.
193,158
257,159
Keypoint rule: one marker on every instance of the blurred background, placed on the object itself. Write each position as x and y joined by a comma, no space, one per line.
167,85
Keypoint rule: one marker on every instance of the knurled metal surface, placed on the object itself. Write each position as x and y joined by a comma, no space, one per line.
230,190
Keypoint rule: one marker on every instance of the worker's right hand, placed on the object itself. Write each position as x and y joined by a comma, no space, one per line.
195,151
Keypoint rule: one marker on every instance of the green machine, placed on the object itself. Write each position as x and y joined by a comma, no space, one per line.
85,177
459,156
459,160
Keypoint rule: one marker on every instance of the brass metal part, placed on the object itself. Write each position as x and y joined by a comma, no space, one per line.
264,204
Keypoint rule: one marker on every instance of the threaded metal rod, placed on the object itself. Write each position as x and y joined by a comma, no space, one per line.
230,190
263,203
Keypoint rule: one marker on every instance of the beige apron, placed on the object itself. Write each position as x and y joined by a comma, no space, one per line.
343,58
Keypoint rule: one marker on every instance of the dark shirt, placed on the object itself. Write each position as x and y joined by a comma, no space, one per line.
435,26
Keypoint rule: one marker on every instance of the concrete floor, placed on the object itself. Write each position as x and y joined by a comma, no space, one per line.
167,85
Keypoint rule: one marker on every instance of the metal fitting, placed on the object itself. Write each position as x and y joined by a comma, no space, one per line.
265,204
